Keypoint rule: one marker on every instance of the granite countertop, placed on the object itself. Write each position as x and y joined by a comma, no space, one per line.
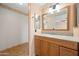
69,38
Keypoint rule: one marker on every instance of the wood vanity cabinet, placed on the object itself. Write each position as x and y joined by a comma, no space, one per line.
53,49
67,52
37,46
45,46
40,47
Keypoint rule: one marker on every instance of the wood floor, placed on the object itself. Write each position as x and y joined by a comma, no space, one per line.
20,50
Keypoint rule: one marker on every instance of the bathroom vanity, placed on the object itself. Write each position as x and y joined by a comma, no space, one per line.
60,23
48,46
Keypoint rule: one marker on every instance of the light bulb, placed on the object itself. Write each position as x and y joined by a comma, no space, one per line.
50,10
36,16
57,8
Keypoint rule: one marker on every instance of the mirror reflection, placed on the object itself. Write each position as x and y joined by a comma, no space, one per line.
56,21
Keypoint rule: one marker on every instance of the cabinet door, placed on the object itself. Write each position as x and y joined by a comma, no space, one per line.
37,46
44,48
67,52
53,49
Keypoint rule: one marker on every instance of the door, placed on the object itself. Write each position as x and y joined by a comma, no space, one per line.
37,46
53,49
44,48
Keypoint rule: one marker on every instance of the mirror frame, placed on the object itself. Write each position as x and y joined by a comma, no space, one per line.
68,15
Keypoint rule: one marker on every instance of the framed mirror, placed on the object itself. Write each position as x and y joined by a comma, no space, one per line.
57,21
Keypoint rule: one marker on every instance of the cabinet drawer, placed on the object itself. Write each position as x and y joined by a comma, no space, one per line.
67,52
65,43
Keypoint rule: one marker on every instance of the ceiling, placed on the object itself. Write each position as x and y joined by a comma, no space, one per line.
39,5
21,7
42,5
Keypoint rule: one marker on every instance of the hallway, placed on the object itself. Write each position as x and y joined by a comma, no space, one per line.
13,29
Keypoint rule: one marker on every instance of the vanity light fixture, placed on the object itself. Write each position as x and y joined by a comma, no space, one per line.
55,7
